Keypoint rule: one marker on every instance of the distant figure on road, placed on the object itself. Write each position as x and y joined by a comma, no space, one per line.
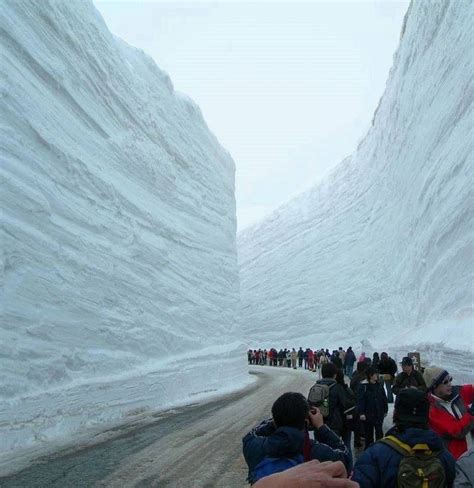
294,357
375,360
349,361
300,357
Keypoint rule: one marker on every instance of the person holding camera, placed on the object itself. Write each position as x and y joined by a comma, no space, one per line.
282,442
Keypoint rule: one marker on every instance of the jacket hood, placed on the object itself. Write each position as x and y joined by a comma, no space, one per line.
285,441
413,435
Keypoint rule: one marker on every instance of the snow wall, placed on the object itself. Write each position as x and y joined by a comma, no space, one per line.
382,250
119,264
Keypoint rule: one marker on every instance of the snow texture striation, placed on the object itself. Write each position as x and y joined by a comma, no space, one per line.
119,266
382,251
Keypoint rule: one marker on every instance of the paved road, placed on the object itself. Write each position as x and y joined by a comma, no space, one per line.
195,446
198,446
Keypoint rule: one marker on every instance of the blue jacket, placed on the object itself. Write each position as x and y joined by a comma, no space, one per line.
266,440
378,465
350,358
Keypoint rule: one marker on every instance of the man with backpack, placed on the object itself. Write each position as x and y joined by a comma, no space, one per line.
329,396
282,442
411,455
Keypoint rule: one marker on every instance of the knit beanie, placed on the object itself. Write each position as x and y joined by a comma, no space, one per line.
411,407
434,376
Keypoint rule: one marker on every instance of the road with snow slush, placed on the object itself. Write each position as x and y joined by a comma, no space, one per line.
194,446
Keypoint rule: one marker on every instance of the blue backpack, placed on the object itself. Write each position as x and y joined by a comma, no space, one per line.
271,465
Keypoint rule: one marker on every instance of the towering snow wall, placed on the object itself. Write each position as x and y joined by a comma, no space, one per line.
118,231
383,248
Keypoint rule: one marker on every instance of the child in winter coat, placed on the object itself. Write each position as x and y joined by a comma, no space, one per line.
372,406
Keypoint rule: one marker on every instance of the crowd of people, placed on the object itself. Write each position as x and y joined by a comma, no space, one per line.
429,444
307,358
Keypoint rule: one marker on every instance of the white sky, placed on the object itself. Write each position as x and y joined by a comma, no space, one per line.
289,88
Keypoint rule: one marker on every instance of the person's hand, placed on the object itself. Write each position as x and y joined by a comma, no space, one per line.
316,418
362,417
311,474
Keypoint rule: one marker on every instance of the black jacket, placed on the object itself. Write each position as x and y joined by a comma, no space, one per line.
372,401
337,400
388,366
403,380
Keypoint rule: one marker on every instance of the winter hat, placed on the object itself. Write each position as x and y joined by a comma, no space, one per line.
411,407
407,361
434,377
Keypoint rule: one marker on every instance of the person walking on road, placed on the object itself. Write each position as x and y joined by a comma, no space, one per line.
349,361
387,368
372,406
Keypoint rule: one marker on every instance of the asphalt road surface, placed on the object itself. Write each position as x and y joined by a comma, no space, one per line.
195,446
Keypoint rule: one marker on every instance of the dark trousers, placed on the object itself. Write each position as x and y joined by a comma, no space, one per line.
369,428
358,432
300,362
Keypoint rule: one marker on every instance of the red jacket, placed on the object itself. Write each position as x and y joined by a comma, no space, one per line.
451,429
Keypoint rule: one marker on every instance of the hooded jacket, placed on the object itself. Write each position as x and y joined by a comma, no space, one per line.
378,465
266,440
450,418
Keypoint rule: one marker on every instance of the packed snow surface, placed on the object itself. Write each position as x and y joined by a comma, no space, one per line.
119,263
380,255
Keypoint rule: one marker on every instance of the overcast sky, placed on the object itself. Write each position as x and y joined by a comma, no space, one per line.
288,88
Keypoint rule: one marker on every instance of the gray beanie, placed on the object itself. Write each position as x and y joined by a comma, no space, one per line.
434,377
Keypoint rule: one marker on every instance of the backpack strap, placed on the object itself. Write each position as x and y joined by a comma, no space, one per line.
397,445
405,449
